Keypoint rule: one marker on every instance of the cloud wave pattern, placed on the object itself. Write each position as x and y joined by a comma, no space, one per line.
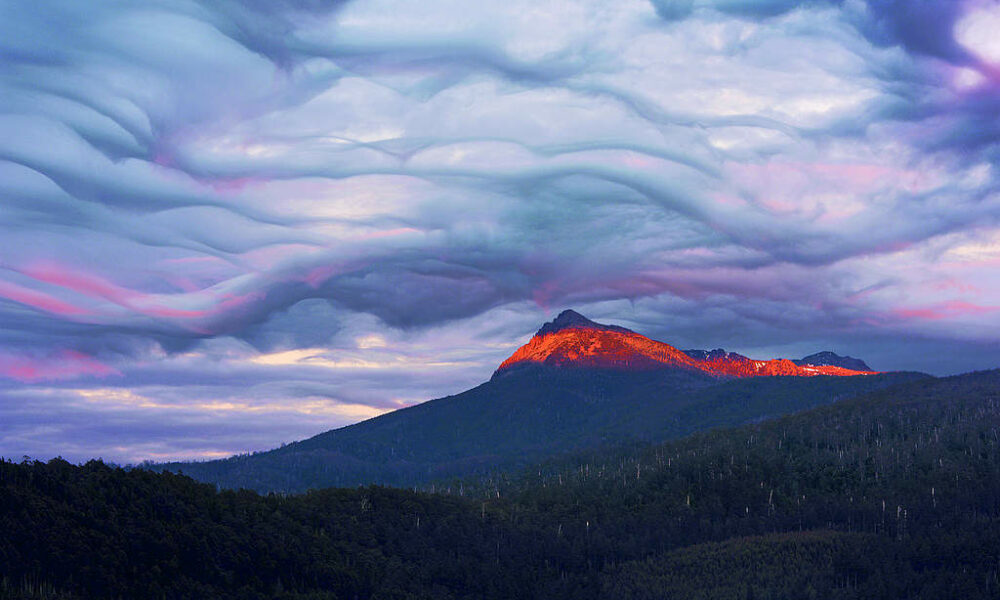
231,224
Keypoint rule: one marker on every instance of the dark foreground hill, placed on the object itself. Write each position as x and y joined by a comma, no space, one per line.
891,495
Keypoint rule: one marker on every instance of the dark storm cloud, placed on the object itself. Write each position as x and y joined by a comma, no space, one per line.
921,26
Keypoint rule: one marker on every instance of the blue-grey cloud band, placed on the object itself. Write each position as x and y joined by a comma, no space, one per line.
231,224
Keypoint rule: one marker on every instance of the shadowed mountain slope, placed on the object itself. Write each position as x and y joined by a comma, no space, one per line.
528,413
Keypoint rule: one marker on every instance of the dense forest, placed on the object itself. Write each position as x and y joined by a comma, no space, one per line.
522,418
895,494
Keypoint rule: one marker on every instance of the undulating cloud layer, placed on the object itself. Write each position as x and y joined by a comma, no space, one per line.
228,224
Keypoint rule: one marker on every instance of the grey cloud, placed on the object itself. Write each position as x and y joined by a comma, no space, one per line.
292,174
264,26
763,8
672,10
923,26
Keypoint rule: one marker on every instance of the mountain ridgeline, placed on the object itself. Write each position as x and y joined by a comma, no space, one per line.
574,341
575,385
893,494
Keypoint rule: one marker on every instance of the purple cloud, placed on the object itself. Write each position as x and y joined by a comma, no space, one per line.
384,201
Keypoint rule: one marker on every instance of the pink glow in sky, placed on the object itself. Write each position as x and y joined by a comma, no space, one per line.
770,177
66,364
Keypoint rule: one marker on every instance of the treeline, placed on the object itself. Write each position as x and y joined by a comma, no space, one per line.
893,495
812,564
103,532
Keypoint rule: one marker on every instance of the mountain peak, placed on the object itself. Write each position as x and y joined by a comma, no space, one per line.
570,319
572,340
717,354
827,358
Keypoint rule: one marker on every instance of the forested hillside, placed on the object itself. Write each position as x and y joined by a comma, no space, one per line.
916,468
891,495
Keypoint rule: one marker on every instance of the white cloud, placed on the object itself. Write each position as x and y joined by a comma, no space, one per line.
977,31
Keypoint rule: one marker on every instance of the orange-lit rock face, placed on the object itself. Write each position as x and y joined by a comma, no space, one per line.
586,347
583,346
777,366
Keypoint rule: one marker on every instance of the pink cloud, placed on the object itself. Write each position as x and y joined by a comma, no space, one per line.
892,247
544,293
218,304
194,259
922,314
66,364
944,310
828,192
164,159
854,176
231,185
81,283
389,233
208,303
954,284
315,277
39,300
180,282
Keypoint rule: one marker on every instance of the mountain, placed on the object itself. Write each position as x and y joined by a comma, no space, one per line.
572,340
597,385
829,358
894,494
570,319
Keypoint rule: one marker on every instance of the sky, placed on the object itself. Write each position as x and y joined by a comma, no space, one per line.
230,224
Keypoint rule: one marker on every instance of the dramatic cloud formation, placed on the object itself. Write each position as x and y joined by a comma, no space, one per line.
231,224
